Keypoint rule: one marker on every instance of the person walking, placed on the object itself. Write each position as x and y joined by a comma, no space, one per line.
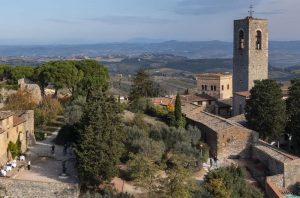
28,165
52,148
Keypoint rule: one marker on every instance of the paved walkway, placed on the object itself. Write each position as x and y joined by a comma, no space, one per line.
47,167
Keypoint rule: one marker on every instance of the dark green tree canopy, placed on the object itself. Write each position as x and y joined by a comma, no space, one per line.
100,139
142,86
293,113
265,109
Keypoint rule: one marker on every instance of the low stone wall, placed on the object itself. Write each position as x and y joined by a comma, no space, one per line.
13,188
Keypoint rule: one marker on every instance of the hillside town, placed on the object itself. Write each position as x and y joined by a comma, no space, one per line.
68,129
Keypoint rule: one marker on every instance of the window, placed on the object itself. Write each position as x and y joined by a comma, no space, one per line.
258,40
228,87
211,88
222,87
215,88
241,39
205,87
202,87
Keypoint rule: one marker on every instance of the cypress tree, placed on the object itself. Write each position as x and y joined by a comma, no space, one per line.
177,112
100,140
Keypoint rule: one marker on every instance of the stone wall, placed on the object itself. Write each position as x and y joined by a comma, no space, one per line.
22,189
275,167
239,103
272,190
292,174
236,142
29,125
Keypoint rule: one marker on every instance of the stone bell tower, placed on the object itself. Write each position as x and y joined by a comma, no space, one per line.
250,56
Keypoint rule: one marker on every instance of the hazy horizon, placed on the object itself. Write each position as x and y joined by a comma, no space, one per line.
33,22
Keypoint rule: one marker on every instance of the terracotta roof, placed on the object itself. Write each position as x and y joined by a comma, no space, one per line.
18,120
5,114
164,101
190,108
214,122
195,98
243,93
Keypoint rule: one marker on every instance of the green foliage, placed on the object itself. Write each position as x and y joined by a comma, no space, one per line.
74,110
100,139
178,113
265,110
39,135
67,134
95,76
179,183
293,113
144,172
142,86
14,148
47,111
19,72
5,71
229,182
105,194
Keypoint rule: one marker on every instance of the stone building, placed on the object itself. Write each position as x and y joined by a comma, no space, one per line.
14,126
250,58
32,88
239,102
218,85
204,101
225,138
282,169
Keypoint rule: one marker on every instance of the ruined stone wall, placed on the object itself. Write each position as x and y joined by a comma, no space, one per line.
236,142
275,167
20,189
292,174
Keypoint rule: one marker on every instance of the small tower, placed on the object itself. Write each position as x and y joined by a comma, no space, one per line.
250,57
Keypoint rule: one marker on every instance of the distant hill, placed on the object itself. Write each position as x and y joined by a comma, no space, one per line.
282,53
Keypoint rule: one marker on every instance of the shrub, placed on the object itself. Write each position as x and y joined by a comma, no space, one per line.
67,134
13,149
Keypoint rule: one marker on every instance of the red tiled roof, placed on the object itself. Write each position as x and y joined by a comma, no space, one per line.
18,120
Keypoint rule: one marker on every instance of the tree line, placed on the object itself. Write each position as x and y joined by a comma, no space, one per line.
76,76
271,116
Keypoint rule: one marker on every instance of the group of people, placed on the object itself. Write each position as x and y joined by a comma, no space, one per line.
9,166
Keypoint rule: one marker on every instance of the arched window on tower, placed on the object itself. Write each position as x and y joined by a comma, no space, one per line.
258,40
241,39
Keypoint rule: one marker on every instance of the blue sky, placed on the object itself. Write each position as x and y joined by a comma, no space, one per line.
96,21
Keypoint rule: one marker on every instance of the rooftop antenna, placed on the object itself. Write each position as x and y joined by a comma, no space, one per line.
251,11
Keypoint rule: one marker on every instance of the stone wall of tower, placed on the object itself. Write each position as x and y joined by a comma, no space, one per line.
249,63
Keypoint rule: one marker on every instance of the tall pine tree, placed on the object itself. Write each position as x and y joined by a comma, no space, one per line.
100,144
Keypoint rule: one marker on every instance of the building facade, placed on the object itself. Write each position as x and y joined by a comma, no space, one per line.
250,57
14,126
217,85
